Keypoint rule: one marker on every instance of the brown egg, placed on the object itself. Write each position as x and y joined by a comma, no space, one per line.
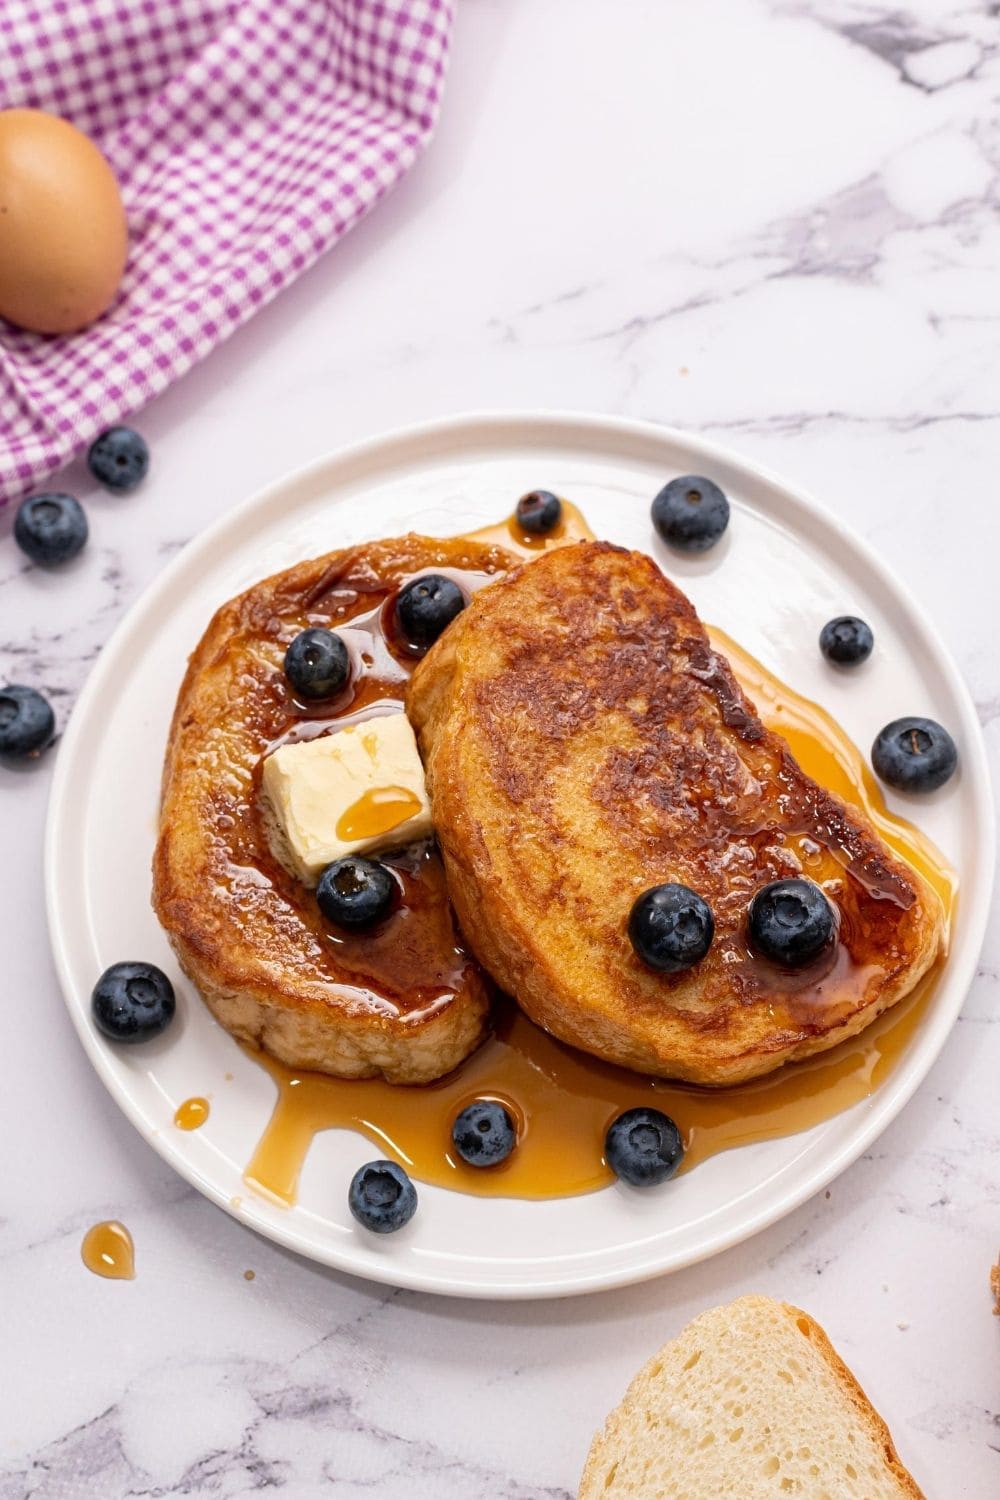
63,236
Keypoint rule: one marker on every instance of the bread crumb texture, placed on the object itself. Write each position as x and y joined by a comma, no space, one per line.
749,1401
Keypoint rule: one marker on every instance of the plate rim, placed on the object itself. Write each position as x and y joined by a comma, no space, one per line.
467,429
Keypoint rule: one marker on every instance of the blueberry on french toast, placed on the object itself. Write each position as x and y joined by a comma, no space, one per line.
317,663
791,922
426,606
671,928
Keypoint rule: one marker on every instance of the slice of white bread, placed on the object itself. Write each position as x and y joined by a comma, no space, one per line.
749,1402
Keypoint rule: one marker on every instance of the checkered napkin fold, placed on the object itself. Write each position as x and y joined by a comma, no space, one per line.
248,136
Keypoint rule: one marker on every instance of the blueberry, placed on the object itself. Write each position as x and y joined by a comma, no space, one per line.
847,641
539,512
50,528
643,1147
119,459
914,755
317,663
791,922
671,928
691,513
484,1133
355,892
133,1002
426,606
381,1197
27,723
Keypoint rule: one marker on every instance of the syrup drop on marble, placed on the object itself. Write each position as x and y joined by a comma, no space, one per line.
107,1250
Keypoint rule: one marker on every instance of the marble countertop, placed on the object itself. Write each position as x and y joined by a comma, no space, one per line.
768,221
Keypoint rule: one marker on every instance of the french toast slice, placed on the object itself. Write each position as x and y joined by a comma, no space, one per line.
582,743
405,1001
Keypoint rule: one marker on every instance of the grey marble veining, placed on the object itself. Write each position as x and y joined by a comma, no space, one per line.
778,223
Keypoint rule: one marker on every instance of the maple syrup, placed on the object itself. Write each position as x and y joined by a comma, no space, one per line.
376,812
192,1114
107,1250
510,534
563,1100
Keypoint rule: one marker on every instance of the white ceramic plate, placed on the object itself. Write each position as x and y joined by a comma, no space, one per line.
783,568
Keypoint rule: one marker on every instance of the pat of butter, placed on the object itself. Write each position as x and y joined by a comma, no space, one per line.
358,789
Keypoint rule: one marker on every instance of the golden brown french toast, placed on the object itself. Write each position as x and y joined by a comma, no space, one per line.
584,743
404,1001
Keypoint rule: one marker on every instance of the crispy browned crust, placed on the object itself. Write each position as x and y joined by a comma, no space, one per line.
583,743
246,933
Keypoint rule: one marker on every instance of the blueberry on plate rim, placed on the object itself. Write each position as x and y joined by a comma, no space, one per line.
50,528
914,754
317,663
791,922
119,459
484,1133
643,1147
846,641
539,512
381,1197
133,1002
691,513
671,928
426,606
355,892
27,723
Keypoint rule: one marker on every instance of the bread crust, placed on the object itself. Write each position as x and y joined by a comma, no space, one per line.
248,935
583,742
867,1415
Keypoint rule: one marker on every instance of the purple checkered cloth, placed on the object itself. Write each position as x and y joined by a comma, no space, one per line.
248,136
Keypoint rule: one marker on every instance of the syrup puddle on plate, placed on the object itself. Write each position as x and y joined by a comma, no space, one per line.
571,527
108,1251
563,1103
192,1114
562,1100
